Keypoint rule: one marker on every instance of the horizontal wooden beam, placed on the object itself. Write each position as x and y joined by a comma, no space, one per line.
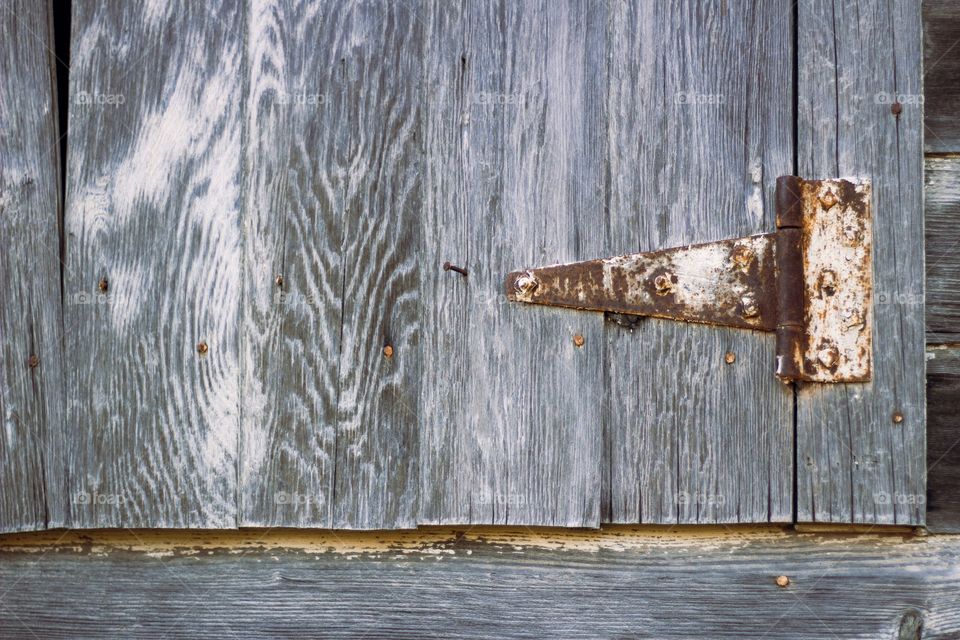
715,582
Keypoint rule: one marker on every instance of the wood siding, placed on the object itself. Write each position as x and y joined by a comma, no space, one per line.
494,584
855,463
33,489
212,150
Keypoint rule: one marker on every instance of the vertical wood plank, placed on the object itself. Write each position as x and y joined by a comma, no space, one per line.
31,391
700,112
294,199
378,426
514,142
332,204
855,463
153,211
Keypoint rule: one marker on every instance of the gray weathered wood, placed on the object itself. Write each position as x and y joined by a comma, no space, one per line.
700,108
153,208
854,463
941,68
31,397
332,205
618,585
943,439
514,177
942,215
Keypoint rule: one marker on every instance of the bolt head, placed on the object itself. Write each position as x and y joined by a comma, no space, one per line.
828,356
730,357
742,256
663,283
578,340
202,348
783,581
526,284
388,351
103,285
897,417
827,200
279,280
896,108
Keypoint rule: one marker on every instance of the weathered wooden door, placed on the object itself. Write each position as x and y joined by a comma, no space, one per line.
257,328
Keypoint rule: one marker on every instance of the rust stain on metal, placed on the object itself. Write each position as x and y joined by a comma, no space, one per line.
728,283
837,268
810,282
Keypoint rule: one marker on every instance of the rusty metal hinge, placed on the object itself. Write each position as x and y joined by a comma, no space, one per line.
809,281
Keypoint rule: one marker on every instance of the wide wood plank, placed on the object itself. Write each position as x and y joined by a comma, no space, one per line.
700,127
32,476
486,585
942,213
332,206
514,130
941,69
856,462
153,263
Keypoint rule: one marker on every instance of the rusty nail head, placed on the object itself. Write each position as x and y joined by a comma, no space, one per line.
783,581
388,351
730,357
828,199
897,417
279,280
103,285
896,108
578,340
33,361
202,348
451,267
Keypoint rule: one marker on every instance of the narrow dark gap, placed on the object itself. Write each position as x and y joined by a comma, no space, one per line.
796,172
62,10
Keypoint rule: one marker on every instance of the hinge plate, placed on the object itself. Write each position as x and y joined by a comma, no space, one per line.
810,282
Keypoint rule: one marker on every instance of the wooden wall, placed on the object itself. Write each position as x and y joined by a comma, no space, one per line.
941,103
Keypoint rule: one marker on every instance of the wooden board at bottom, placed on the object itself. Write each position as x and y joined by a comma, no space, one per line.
720,583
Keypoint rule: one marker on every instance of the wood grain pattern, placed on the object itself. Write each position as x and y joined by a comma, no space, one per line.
941,69
31,397
941,212
330,423
612,585
153,209
514,177
943,439
855,464
696,144
293,228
